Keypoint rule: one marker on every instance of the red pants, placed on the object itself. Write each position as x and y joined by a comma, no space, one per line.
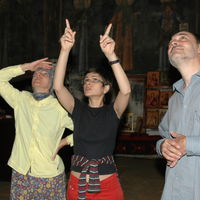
110,189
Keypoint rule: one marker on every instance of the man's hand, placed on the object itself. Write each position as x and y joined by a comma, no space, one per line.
33,66
68,39
181,141
173,149
170,151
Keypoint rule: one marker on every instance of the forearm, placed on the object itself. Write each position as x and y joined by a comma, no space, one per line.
7,91
60,70
158,147
25,67
120,75
66,141
69,140
6,74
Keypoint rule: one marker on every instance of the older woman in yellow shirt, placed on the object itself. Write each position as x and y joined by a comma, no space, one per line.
40,122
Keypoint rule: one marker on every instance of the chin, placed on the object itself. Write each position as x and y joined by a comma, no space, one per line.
86,94
176,60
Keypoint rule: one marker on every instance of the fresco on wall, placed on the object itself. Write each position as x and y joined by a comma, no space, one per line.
170,21
31,30
80,49
123,32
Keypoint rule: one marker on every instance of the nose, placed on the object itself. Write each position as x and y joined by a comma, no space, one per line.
88,82
174,42
37,75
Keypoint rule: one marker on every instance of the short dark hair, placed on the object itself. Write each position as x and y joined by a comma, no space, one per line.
103,73
197,37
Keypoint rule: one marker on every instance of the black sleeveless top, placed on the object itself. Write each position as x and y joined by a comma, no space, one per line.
95,131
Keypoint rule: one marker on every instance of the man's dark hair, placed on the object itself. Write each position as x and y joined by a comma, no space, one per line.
197,37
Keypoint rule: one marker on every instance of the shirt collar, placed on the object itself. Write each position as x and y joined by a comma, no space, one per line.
178,86
40,96
43,102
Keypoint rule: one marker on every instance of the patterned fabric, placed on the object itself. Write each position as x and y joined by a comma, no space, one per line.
26,187
39,96
89,167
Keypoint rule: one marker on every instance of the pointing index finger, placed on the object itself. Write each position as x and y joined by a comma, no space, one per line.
108,29
67,23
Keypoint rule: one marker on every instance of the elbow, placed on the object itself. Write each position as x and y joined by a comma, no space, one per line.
57,85
127,92
57,88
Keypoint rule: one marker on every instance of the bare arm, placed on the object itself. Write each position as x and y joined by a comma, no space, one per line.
63,142
10,94
63,94
32,66
107,45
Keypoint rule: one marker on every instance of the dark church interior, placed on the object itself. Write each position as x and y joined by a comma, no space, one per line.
30,29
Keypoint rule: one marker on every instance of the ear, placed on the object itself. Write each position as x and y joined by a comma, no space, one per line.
199,48
106,88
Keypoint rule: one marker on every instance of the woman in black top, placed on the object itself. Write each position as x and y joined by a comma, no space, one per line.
93,170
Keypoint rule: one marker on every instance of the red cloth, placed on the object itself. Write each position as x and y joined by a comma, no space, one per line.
89,167
110,189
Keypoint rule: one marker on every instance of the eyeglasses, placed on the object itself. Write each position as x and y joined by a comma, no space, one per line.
93,80
41,73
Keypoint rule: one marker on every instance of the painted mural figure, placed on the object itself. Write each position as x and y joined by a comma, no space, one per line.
123,33
170,20
80,50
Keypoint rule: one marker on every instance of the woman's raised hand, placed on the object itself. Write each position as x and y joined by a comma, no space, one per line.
107,44
33,66
68,38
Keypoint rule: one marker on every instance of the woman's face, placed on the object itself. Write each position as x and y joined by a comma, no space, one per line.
93,85
41,81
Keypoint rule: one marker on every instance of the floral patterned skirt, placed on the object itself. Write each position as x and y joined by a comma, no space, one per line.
26,187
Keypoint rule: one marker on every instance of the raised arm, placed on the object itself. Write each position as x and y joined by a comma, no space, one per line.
33,66
10,94
63,94
107,45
